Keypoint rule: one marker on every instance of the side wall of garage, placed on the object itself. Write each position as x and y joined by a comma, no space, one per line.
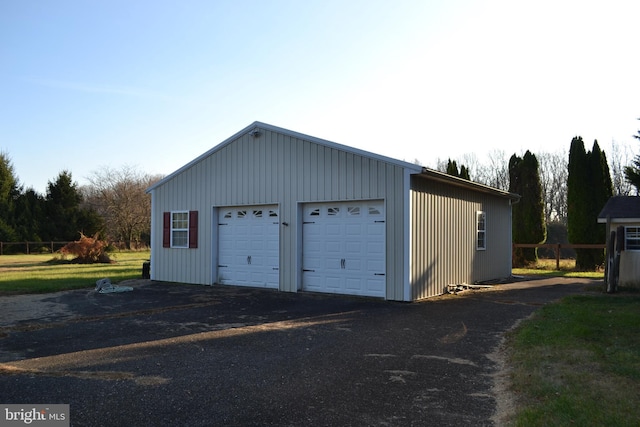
444,232
285,169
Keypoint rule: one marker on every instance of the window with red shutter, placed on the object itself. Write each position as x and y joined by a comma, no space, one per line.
193,229
166,229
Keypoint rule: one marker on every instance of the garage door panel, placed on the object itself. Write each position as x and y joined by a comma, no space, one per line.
375,287
333,230
375,265
344,248
353,229
272,260
248,247
354,248
332,247
353,284
333,283
257,244
352,264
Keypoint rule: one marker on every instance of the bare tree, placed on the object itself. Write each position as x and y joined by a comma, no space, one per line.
494,173
553,176
119,196
620,156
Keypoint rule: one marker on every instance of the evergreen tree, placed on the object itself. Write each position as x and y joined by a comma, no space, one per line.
30,216
452,168
577,192
65,217
589,187
464,173
8,192
528,215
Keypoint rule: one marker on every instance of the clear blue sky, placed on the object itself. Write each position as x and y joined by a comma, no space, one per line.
154,84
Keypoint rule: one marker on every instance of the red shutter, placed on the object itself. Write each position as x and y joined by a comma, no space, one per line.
166,229
193,229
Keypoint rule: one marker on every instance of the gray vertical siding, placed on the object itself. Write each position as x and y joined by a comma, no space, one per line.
443,237
629,260
282,169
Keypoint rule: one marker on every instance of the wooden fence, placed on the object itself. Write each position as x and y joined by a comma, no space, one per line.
557,247
30,246
51,247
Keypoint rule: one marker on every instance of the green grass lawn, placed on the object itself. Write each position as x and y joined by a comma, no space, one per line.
43,273
577,362
547,267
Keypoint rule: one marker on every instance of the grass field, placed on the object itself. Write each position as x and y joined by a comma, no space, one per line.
43,273
577,362
547,267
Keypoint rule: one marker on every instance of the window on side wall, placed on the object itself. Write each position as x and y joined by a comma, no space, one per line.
632,238
481,230
179,229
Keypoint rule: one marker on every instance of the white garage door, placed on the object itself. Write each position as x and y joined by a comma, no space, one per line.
248,246
344,248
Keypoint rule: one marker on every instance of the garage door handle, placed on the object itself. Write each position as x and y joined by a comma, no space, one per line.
343,263
379,274
249,260
305,269
223,266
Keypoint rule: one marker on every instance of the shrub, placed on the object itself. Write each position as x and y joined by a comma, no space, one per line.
87,250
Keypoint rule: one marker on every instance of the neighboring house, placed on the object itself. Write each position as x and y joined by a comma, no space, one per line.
273,208
624,211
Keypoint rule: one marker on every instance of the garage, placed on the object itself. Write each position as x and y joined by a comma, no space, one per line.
248,246
270,207
343,250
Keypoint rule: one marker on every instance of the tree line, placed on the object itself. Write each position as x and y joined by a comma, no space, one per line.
558,191
114,207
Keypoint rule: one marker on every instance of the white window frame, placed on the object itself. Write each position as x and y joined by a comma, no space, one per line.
481,233
179,230
632,233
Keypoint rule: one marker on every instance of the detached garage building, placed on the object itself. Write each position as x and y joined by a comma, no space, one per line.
273,208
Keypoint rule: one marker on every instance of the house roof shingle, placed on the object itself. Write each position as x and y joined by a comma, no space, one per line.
621,207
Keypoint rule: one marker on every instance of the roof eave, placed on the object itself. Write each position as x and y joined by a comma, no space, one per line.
461,182
619,220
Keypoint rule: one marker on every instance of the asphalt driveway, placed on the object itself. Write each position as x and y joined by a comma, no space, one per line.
185,355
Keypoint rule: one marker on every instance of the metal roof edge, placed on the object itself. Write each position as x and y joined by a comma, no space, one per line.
461,182
204,155
265,126
619,220
331,144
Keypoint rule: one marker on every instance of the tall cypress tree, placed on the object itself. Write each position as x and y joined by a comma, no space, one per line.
528,215
464,173
577,196
452,169
588,189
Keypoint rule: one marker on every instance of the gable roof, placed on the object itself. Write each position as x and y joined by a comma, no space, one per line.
259,126
622,209
412,168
